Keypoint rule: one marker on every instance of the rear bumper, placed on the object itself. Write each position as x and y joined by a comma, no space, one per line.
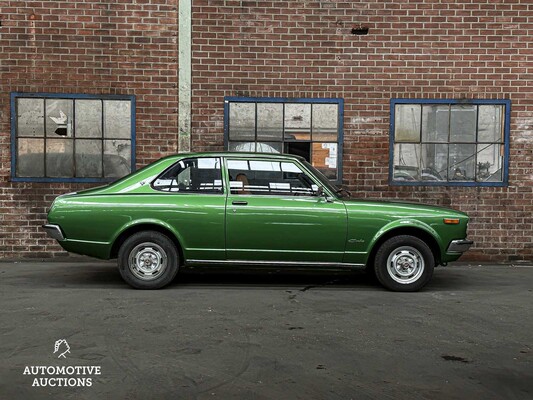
54,231
459,246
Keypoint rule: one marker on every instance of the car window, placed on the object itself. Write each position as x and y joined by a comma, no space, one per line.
192,175
260,177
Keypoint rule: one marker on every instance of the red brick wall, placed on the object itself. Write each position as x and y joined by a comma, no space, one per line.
414,49
435,49
100,47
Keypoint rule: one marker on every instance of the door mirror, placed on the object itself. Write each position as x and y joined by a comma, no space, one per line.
320,193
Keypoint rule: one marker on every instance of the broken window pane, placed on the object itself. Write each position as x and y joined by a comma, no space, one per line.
30,117
89,158
242,121
407,123
59,118
406,162
490,123
435,123
117,158
30,158
462,161
297,121
59,158
324,158
463,123
117,119
325,122
269,121
88,118
489,163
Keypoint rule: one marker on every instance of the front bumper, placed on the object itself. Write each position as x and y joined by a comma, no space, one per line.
54,231
459,246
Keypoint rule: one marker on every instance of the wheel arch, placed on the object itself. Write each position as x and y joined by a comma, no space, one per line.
415,231
146,226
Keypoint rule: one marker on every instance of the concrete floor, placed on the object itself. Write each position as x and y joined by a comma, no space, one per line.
260,335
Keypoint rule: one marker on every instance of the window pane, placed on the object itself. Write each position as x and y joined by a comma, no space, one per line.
297,121
407,123
117,158
193,175
406,162
463,123
242,146
117,119
59,118
30,117
269,121
434,162
461,164
88,118
89,158
30,158
325,122
59,158
435,123
324,158
490,123
489,163
270,147
242,121
257,177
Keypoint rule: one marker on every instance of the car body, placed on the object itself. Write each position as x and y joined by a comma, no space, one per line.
251,209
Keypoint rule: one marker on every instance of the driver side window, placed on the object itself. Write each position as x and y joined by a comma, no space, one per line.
192,175
259,177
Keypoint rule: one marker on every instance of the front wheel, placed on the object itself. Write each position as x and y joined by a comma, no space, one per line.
148,260
404,263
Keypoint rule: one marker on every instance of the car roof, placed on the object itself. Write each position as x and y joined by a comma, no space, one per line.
237,154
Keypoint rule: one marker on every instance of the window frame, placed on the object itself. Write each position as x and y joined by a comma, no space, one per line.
289,100
70,96
506,134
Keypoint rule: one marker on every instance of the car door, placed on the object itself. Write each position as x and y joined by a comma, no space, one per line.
274,214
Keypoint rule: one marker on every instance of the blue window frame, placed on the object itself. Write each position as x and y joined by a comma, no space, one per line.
449,142
311,128
58,137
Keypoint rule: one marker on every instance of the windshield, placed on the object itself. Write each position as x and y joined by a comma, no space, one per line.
339,192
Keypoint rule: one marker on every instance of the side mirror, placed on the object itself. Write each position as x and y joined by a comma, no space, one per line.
320,193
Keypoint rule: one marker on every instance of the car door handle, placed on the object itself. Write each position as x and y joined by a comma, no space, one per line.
239,202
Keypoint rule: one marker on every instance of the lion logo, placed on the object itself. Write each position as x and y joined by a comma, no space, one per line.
61,344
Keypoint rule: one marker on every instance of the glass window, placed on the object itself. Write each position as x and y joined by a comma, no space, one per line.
192,175
280,178
72,137
310,128
449,143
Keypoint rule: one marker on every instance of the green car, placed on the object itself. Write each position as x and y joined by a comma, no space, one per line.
251,209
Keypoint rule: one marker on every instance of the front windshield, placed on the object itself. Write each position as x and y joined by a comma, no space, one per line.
341,193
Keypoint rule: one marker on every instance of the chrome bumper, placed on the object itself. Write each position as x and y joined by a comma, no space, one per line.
54,231
459,246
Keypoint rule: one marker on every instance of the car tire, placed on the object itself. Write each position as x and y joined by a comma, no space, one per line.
404,264
148,260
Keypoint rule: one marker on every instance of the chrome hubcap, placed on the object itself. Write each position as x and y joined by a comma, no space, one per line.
405,265
147,261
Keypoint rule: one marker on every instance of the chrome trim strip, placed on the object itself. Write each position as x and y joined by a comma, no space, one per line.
274,263
459,246
54,231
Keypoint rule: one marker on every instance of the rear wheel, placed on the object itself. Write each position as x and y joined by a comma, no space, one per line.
148,260
404,263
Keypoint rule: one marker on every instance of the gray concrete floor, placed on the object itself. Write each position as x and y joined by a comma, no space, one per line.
262,335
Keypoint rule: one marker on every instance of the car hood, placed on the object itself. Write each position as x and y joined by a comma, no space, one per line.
404,208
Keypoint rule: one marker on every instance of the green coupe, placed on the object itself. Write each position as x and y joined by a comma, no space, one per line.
251,209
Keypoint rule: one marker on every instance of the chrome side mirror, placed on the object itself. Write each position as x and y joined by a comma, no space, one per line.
320,193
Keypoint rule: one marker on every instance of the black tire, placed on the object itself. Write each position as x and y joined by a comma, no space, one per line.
404,264
148,260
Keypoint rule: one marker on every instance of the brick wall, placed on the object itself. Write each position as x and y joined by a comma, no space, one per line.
97,47
415,49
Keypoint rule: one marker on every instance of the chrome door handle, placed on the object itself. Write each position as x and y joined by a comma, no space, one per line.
239,202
